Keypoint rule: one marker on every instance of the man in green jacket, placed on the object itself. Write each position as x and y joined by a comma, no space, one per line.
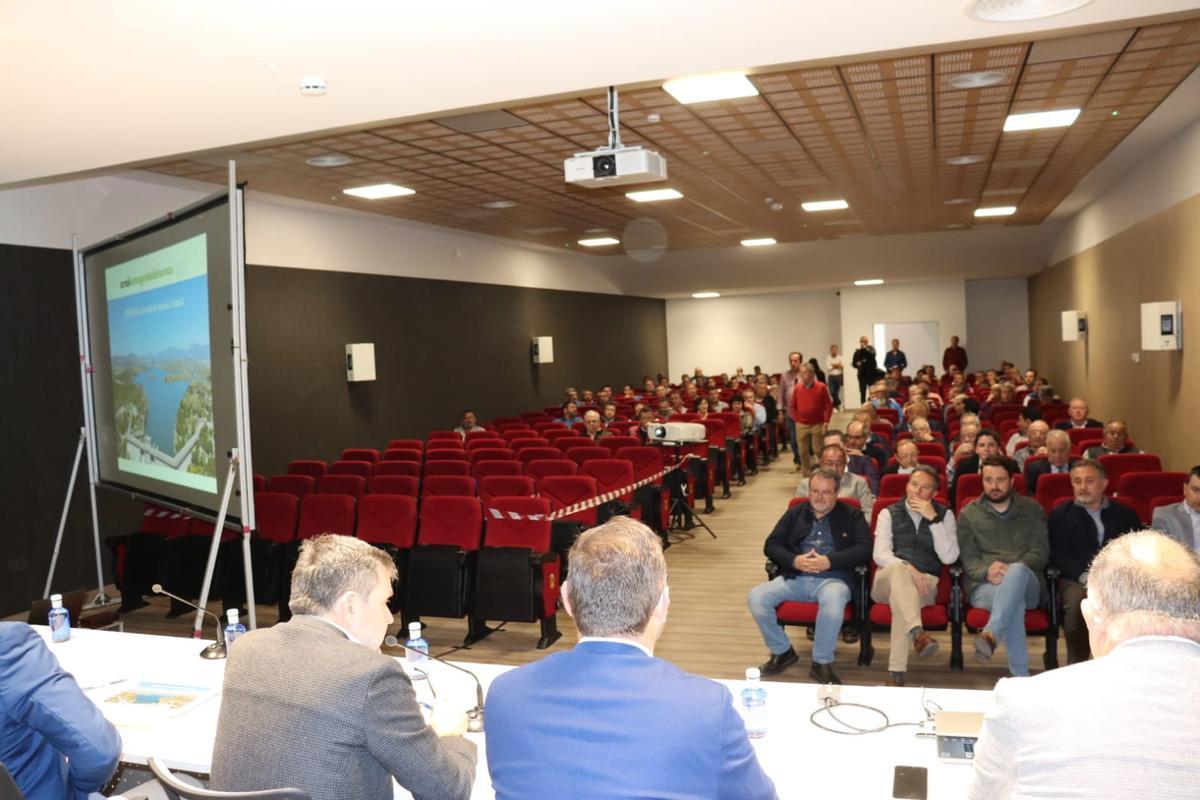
1004,545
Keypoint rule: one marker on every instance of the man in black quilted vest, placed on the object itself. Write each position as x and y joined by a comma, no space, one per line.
913,538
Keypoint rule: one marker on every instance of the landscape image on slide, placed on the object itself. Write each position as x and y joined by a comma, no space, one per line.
162,367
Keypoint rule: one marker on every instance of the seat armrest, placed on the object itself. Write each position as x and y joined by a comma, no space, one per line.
1052,572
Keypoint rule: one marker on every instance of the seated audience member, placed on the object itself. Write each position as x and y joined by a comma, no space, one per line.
908,455
987,445
1181,521
858,461
1058,460
594,426
677,404
1037,432
914,410
962,447
1116,440
1078,531
572,395
1029,414
1077,416
609,415
833,458
1004,546
588,400
815,546
645,418
469,424
606,718
913,538
53,739
880,399
1002,394
570,414
921,431
311,703
714,401
648,387
1124,724
665,412
877,446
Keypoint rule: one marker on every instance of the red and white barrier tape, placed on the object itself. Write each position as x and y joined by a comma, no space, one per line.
592,502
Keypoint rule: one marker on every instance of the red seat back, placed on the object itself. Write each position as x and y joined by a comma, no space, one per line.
481,444
476,436
645,460
615,443
313,469
931,449
410,468
388,519
542,427
549,467
1080,435
538,454
402,454
491,454
565,443
510,434
298,485
563,491
1137,489
1052,486
259,482
559,432
406,444
369,454
326,513
451,521
733,425
1117,464
517,522
363,469
460,468
353,485
445,454
495,486
611,474
581,455
526,442
394,484
447,486
893,485
443,439
276,514
482,469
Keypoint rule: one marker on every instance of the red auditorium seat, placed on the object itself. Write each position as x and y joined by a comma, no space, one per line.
402,454
447,486
612,474
298,485
490,454
480,444
524,443
494,486
325,513
406,444
360,454
409,468
933,617
1052,486
1164,501
313,469
1081,435
459,468
538,454
353,485
563,491
542,427
518,574
259,482
482,469
475,436
388,520
1037,623
1137,489
445,454
581,455
934,449
394,484
443,439
653,498
441,565
541,468
894,485
565,443
276,514
1117,464
363,469
561,432
524,432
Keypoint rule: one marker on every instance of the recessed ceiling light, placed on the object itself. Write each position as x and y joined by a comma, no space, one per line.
996,211
602,241
954,225
329,160
705,295
958,201
977,80
705,88
962,161
379,191
499,204
654,195
596,230
1041,119
869,282
766,241
825,205
1018,10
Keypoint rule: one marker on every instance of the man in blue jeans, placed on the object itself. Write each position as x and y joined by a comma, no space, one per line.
816,546
1004,546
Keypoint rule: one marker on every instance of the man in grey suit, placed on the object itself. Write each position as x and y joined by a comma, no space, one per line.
1181,521
1124,724
312,704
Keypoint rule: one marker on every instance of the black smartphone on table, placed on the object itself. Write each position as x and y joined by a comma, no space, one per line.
910,783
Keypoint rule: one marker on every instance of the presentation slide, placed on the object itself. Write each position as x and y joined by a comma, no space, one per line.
162,365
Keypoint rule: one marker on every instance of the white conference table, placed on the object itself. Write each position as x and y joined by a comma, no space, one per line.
849,766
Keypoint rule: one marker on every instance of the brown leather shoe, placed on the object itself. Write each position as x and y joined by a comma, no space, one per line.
924,645
985,646
895,679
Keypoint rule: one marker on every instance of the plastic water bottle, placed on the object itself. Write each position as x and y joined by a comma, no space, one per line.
234,629
60,619
416,651
754,705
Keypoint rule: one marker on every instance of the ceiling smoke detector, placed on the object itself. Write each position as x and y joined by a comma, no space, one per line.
313,86
498,204
329,160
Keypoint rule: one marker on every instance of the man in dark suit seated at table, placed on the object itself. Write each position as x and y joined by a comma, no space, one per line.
607,719
53,740
1078,530
1122,725
312,704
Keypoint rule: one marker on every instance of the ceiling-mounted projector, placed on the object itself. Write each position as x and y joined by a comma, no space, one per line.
613,167
614,164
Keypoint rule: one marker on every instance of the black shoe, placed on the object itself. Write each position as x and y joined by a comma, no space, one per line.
725,495
709,507
810,632
132,602
849,636
177,610
778,663
823,673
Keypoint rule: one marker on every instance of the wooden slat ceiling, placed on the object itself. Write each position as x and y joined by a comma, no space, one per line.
875,133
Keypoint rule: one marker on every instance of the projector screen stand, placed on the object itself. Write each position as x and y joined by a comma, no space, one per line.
101,599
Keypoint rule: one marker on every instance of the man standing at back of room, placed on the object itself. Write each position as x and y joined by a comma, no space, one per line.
895,358
607,719
787,383
954,356
811,409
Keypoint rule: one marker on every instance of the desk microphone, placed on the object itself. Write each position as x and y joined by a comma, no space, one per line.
475,715
217,648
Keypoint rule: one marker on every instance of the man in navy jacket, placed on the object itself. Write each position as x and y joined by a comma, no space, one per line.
1078,530
53,740
607,719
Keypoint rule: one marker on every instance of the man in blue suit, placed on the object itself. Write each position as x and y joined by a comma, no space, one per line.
607,719
53,739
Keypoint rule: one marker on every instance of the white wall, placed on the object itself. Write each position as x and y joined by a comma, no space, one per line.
943,302
722,334
997,323
291,233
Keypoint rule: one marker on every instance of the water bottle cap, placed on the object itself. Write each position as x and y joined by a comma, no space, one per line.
232,616
752,673
56,601
414,630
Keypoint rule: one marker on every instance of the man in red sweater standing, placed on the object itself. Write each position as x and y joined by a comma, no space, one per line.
811,408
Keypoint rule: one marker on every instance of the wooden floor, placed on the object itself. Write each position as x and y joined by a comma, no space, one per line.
709,630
